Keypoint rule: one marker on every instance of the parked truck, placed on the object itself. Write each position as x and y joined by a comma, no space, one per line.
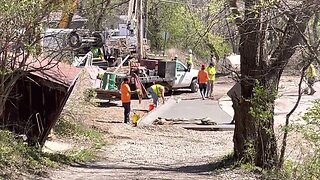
171,74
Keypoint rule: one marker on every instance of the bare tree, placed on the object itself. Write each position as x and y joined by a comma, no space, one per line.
254,138
20,42
99,12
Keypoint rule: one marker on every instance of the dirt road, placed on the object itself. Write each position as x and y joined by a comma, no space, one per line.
167,152
157,152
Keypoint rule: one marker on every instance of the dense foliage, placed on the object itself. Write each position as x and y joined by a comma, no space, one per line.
197,27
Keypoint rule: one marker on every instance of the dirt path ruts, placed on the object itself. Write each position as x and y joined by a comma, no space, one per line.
157,152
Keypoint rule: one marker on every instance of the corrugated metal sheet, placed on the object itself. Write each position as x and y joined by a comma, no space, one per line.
55,71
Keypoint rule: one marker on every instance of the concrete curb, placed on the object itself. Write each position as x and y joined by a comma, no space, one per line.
225,104
220,127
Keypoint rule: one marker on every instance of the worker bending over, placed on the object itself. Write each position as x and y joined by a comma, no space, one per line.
212,77
156,91
202,80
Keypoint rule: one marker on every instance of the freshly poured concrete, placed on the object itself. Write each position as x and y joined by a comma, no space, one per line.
190,109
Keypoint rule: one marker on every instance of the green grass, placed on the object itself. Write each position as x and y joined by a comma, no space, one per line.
17,158
69,129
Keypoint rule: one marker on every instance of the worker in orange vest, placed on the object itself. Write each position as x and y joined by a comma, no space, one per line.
203,78
126,98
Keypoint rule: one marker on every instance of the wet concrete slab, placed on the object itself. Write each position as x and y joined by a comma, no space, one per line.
188,109
197,109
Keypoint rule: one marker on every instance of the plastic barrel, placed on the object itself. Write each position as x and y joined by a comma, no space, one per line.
105,81
112,82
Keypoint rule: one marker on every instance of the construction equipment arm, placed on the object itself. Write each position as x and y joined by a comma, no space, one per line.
68,12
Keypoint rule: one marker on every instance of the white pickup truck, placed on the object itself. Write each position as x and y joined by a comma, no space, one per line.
172,74
185,78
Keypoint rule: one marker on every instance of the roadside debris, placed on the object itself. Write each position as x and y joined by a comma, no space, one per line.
170,121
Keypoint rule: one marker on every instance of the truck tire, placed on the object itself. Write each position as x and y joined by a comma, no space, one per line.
74,40
194,86
99,39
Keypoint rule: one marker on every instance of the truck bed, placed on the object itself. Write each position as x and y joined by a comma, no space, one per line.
107,94
156,79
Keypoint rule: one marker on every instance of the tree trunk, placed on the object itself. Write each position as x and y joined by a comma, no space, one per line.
254,138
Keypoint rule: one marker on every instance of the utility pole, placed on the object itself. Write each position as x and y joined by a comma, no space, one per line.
145,12
139,30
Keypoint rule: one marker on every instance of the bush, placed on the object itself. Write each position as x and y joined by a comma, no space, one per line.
16,156
309,167
66,127
89,94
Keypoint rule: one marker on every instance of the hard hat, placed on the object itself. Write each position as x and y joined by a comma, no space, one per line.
190,51
176,55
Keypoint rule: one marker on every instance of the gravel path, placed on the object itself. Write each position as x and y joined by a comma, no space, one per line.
163,152
156,152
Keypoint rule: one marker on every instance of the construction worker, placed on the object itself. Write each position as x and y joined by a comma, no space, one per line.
212,77
189,60
311,75
156,91
203,80
126,99
175,58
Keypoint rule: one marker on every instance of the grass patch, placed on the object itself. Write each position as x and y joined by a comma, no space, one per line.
228,161
17,159
67,128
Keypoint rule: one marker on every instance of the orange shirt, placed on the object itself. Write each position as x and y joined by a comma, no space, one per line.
125,93
203,77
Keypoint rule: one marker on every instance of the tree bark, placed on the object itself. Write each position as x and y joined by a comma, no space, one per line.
254,138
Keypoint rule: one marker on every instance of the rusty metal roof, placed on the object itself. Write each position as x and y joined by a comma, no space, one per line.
54,71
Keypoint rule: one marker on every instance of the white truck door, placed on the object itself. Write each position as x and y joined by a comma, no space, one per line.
183,77
180,73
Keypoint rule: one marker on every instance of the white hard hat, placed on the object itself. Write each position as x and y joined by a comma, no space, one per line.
176,55
190,51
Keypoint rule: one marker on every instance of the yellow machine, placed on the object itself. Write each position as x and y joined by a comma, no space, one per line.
68,12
